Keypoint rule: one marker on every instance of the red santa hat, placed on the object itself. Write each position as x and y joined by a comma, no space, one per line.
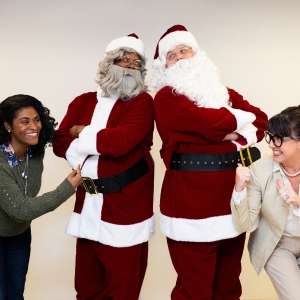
131,41
174,36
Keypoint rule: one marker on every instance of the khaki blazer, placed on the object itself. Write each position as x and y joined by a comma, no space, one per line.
264,205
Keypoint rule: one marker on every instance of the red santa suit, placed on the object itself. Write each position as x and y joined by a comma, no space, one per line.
195,210
117,135
195,205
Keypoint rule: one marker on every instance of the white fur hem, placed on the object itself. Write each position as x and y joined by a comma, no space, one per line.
203,230
242,117
112,234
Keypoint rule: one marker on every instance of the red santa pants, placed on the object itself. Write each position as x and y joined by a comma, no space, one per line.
105,272
207,270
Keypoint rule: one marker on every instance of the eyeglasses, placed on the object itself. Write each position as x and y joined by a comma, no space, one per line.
125,61
182,50
277,140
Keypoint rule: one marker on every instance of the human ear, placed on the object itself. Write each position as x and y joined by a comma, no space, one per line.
7,126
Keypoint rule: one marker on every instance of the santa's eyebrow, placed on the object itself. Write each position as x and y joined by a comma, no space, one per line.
179,49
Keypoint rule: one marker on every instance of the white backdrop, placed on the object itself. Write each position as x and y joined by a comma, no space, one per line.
51,50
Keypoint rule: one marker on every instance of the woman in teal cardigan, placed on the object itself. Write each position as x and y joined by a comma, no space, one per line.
26,128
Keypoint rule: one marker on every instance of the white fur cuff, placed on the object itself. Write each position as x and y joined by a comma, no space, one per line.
242,117
87,144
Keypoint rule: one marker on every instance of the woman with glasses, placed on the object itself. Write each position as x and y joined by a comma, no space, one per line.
266,201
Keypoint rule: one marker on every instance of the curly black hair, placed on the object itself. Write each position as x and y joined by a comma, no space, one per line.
8,111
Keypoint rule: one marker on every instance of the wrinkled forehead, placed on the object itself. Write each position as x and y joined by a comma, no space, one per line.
132,55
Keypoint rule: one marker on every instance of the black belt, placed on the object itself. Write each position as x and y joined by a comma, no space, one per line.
213,162
115,183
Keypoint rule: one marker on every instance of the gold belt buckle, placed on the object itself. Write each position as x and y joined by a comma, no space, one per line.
89,186
242,156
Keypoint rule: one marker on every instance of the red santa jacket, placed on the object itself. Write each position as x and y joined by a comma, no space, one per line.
195,206
117,135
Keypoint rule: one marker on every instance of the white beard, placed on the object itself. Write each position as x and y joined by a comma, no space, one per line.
196,78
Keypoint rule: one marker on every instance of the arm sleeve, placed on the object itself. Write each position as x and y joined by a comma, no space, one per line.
253,132
66,145
23,209
245,215
239,196
197,124
136,121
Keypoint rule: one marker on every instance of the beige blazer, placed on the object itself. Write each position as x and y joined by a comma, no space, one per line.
263,202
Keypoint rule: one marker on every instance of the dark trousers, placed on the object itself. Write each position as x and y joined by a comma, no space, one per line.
207,271
105,272
14,259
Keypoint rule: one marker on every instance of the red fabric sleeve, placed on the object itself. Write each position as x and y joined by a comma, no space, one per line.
189,122
128,124
261,120
79,112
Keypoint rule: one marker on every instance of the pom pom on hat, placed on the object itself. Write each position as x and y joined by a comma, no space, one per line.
131,41
173,37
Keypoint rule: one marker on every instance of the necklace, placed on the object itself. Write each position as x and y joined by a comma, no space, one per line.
288,174
24,175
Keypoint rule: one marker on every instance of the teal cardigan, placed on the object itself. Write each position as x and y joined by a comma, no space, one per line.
17,211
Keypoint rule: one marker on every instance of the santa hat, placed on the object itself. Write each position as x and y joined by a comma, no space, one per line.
131,41
173,37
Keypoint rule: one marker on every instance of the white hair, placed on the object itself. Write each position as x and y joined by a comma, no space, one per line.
161,61
197,78
126,83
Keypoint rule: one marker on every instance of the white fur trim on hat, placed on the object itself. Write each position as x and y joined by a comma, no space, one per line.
127,41
170,41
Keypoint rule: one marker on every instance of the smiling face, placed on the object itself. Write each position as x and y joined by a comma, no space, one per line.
179,52
24,130
287,152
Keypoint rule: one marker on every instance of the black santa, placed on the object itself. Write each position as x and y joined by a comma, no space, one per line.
112,227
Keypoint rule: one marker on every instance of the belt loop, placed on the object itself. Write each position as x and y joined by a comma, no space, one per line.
242,157
249,156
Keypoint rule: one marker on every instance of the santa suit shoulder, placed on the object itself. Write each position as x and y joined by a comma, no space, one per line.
171,107
128,124
79,112
112,126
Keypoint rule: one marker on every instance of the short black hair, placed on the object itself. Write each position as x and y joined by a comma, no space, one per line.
8,111
286,123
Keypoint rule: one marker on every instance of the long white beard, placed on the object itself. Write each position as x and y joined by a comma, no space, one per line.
126,83
196,78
